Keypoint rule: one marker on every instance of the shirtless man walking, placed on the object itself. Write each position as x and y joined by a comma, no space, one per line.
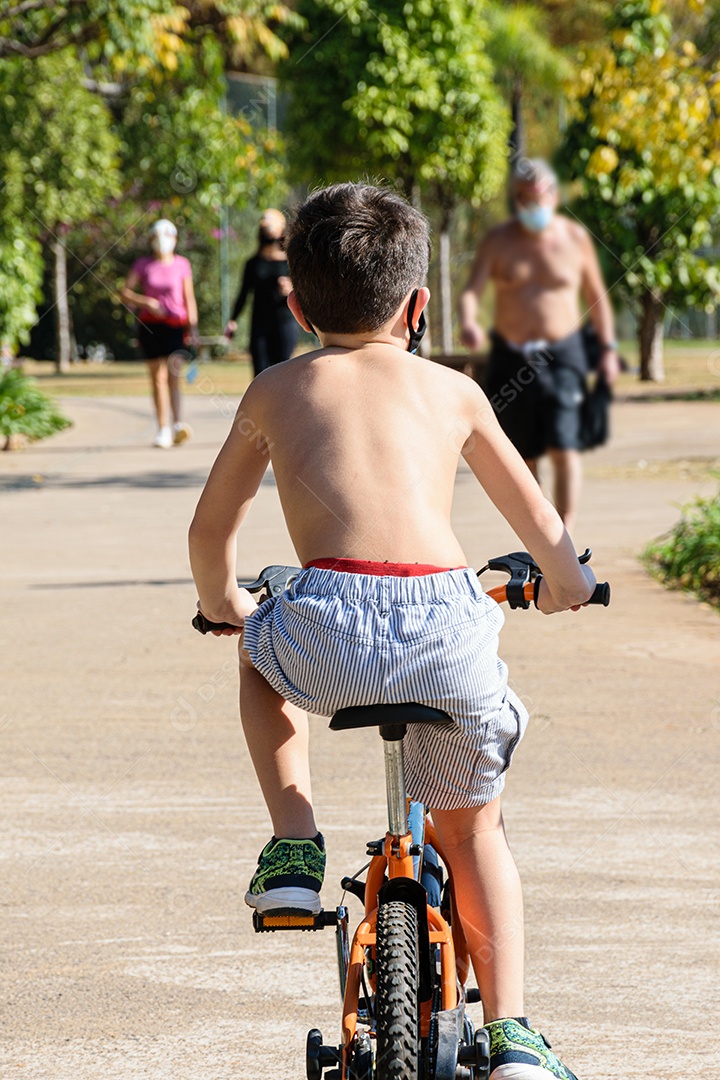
540,262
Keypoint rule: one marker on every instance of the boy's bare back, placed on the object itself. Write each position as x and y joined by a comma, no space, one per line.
364,445
364,436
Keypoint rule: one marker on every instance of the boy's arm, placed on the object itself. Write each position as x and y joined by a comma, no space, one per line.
517,495
230,489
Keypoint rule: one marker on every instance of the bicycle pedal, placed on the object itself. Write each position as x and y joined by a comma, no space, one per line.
290,919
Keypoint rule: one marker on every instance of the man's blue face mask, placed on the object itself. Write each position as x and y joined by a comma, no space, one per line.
535,217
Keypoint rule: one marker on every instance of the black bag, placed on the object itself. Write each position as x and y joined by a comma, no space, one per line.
595,409
595,415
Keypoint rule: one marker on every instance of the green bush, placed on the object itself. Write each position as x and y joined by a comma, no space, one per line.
688,556
25,410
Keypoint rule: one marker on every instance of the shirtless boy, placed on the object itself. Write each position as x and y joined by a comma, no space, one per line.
539,263
363,440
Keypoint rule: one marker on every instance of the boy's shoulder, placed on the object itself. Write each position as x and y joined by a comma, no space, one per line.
317,362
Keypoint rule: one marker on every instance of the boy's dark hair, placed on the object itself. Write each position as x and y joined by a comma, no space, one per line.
355,251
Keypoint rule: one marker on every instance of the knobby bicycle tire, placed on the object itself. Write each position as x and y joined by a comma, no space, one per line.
396,998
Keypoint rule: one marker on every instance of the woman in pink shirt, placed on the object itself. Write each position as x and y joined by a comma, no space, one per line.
160,287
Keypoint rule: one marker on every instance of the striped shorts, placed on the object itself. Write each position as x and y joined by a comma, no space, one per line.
337,639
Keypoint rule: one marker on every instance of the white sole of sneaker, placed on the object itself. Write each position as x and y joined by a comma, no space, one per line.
304,900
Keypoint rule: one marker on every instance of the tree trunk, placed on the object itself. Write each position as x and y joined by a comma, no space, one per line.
62,311
650,337
516,141
446,312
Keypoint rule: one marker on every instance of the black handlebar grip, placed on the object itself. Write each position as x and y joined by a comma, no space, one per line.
205,626
601,594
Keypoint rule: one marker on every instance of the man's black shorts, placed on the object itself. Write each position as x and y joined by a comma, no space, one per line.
537,396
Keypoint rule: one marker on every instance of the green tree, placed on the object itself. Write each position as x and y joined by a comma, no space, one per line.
524,58
69,158
413,100
645,144
132,33
34,28
21,262
141,117
183,157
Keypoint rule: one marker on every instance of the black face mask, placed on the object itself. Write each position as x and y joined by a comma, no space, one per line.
416,336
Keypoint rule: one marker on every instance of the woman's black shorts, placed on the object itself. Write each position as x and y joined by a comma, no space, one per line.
160,339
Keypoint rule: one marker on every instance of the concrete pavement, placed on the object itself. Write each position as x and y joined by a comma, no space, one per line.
131,818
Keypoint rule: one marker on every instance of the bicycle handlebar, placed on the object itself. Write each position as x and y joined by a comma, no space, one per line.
519,592
601,595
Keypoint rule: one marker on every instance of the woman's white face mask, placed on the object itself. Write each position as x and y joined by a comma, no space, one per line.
163,244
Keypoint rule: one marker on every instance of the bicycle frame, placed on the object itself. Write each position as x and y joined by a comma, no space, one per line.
400,858
394,874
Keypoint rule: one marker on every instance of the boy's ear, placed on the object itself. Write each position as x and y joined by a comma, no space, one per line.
421,302
292,303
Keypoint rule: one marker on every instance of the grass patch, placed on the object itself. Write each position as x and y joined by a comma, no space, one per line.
130,378
688,556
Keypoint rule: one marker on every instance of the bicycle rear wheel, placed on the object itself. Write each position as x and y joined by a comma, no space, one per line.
396,997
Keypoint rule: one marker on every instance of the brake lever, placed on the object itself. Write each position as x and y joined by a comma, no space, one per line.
521,568
274,578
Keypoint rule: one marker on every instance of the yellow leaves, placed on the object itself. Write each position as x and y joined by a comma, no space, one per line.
603,161
248,31
661,109
167,30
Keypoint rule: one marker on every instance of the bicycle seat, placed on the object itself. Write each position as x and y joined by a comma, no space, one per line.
362,716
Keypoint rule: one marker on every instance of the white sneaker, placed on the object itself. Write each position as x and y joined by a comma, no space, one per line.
181,433
164,438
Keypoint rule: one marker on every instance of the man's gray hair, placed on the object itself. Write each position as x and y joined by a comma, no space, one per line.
533,171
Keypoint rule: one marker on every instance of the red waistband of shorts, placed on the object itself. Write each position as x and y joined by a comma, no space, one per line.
379,569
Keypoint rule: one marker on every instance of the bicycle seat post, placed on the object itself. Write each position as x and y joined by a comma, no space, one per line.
392,735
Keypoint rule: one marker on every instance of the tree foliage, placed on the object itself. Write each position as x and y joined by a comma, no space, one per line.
405,94
139,34
412,93
525,60
112,112
645,142
64,140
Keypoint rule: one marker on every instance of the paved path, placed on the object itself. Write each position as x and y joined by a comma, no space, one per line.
131,819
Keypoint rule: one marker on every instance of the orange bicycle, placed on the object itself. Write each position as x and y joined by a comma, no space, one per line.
403,975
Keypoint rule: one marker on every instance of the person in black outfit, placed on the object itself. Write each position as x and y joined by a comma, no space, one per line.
273,330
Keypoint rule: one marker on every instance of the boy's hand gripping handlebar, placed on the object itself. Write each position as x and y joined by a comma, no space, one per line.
525,578
273,579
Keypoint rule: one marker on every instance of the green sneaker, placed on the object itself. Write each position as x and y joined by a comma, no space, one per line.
289,876
517,1052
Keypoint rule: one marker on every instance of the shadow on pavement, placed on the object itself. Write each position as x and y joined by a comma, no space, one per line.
131,582
155,480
